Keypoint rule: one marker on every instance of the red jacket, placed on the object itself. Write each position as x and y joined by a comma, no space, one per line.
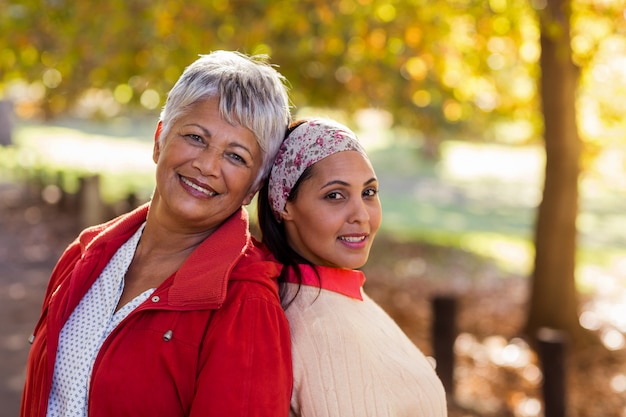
228,352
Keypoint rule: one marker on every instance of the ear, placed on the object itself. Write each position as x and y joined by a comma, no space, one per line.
248,199
250,196
287,214
156,151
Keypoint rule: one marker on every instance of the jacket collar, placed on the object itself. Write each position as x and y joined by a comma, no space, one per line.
203,278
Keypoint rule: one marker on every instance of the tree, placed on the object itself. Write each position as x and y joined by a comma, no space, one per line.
423,61
442,67
554,299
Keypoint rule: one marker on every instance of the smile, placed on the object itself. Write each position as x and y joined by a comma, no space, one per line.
352,239
197,187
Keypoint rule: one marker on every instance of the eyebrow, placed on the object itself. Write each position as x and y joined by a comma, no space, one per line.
345,184
210,135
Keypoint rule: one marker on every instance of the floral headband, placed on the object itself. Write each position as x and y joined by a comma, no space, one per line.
307,144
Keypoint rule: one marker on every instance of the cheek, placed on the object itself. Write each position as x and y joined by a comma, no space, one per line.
318,238
376,217
314,225
238,179
160,176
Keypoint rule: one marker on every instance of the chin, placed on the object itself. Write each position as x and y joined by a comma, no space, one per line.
353,265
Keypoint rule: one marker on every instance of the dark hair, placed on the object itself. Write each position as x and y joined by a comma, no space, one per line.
273,233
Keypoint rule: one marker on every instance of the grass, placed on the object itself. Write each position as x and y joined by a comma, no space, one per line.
477,197
124,163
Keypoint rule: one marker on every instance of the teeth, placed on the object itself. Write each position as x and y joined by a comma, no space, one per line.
197,187
352,239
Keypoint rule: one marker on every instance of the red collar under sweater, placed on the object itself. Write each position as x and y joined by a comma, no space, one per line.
343,281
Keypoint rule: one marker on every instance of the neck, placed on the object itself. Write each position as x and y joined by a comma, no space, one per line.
165,236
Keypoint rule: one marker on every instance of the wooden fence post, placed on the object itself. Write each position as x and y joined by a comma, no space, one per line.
92,209
444,334
551,346
6,122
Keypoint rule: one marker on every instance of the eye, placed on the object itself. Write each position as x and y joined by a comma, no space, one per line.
194,138
334,195
370,192
237,158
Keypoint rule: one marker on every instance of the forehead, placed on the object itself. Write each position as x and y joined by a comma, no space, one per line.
343,165
206,115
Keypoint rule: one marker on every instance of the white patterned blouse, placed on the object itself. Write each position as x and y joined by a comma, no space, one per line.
85,331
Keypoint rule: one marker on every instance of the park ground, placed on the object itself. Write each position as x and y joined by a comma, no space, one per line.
496,373
477,204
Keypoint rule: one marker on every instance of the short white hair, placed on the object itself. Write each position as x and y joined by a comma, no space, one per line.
251,93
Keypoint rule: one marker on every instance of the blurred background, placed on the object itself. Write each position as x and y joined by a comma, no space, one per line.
496,127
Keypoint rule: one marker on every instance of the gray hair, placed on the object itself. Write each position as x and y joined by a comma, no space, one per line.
251,93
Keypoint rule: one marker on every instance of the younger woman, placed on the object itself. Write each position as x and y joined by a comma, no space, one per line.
319,212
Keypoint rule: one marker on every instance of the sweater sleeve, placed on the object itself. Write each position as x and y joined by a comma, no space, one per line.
246,360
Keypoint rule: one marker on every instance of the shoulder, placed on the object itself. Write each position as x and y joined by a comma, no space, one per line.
120,227
255,274
318,318
252,297
322,317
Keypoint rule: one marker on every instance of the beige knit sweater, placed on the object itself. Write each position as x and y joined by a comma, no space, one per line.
350,359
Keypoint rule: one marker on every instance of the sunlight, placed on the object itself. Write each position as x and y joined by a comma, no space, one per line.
605,312
612,339
497,350
466,162
373,127
618,383
124,164
528,407
511,254
590,320
495,357
51,194
533,374
514,355
61,147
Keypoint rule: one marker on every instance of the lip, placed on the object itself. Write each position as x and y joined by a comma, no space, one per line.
196,188
354,240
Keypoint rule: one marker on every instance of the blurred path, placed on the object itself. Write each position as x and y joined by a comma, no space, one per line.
32,236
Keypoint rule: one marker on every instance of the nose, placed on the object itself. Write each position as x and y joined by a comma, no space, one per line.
359,211
208,161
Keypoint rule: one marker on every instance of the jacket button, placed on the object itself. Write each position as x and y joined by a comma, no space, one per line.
155,299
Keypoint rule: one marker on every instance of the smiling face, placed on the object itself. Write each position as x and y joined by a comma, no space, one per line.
336,214
205,168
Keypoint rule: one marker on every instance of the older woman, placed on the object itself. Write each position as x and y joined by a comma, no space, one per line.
172,309
319,212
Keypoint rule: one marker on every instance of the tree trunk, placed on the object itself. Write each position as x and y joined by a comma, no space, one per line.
554,299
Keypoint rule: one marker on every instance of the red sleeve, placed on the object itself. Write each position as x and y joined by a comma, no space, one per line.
62,269
246,358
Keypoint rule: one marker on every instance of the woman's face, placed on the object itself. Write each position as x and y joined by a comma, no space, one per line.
336,213
206,168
